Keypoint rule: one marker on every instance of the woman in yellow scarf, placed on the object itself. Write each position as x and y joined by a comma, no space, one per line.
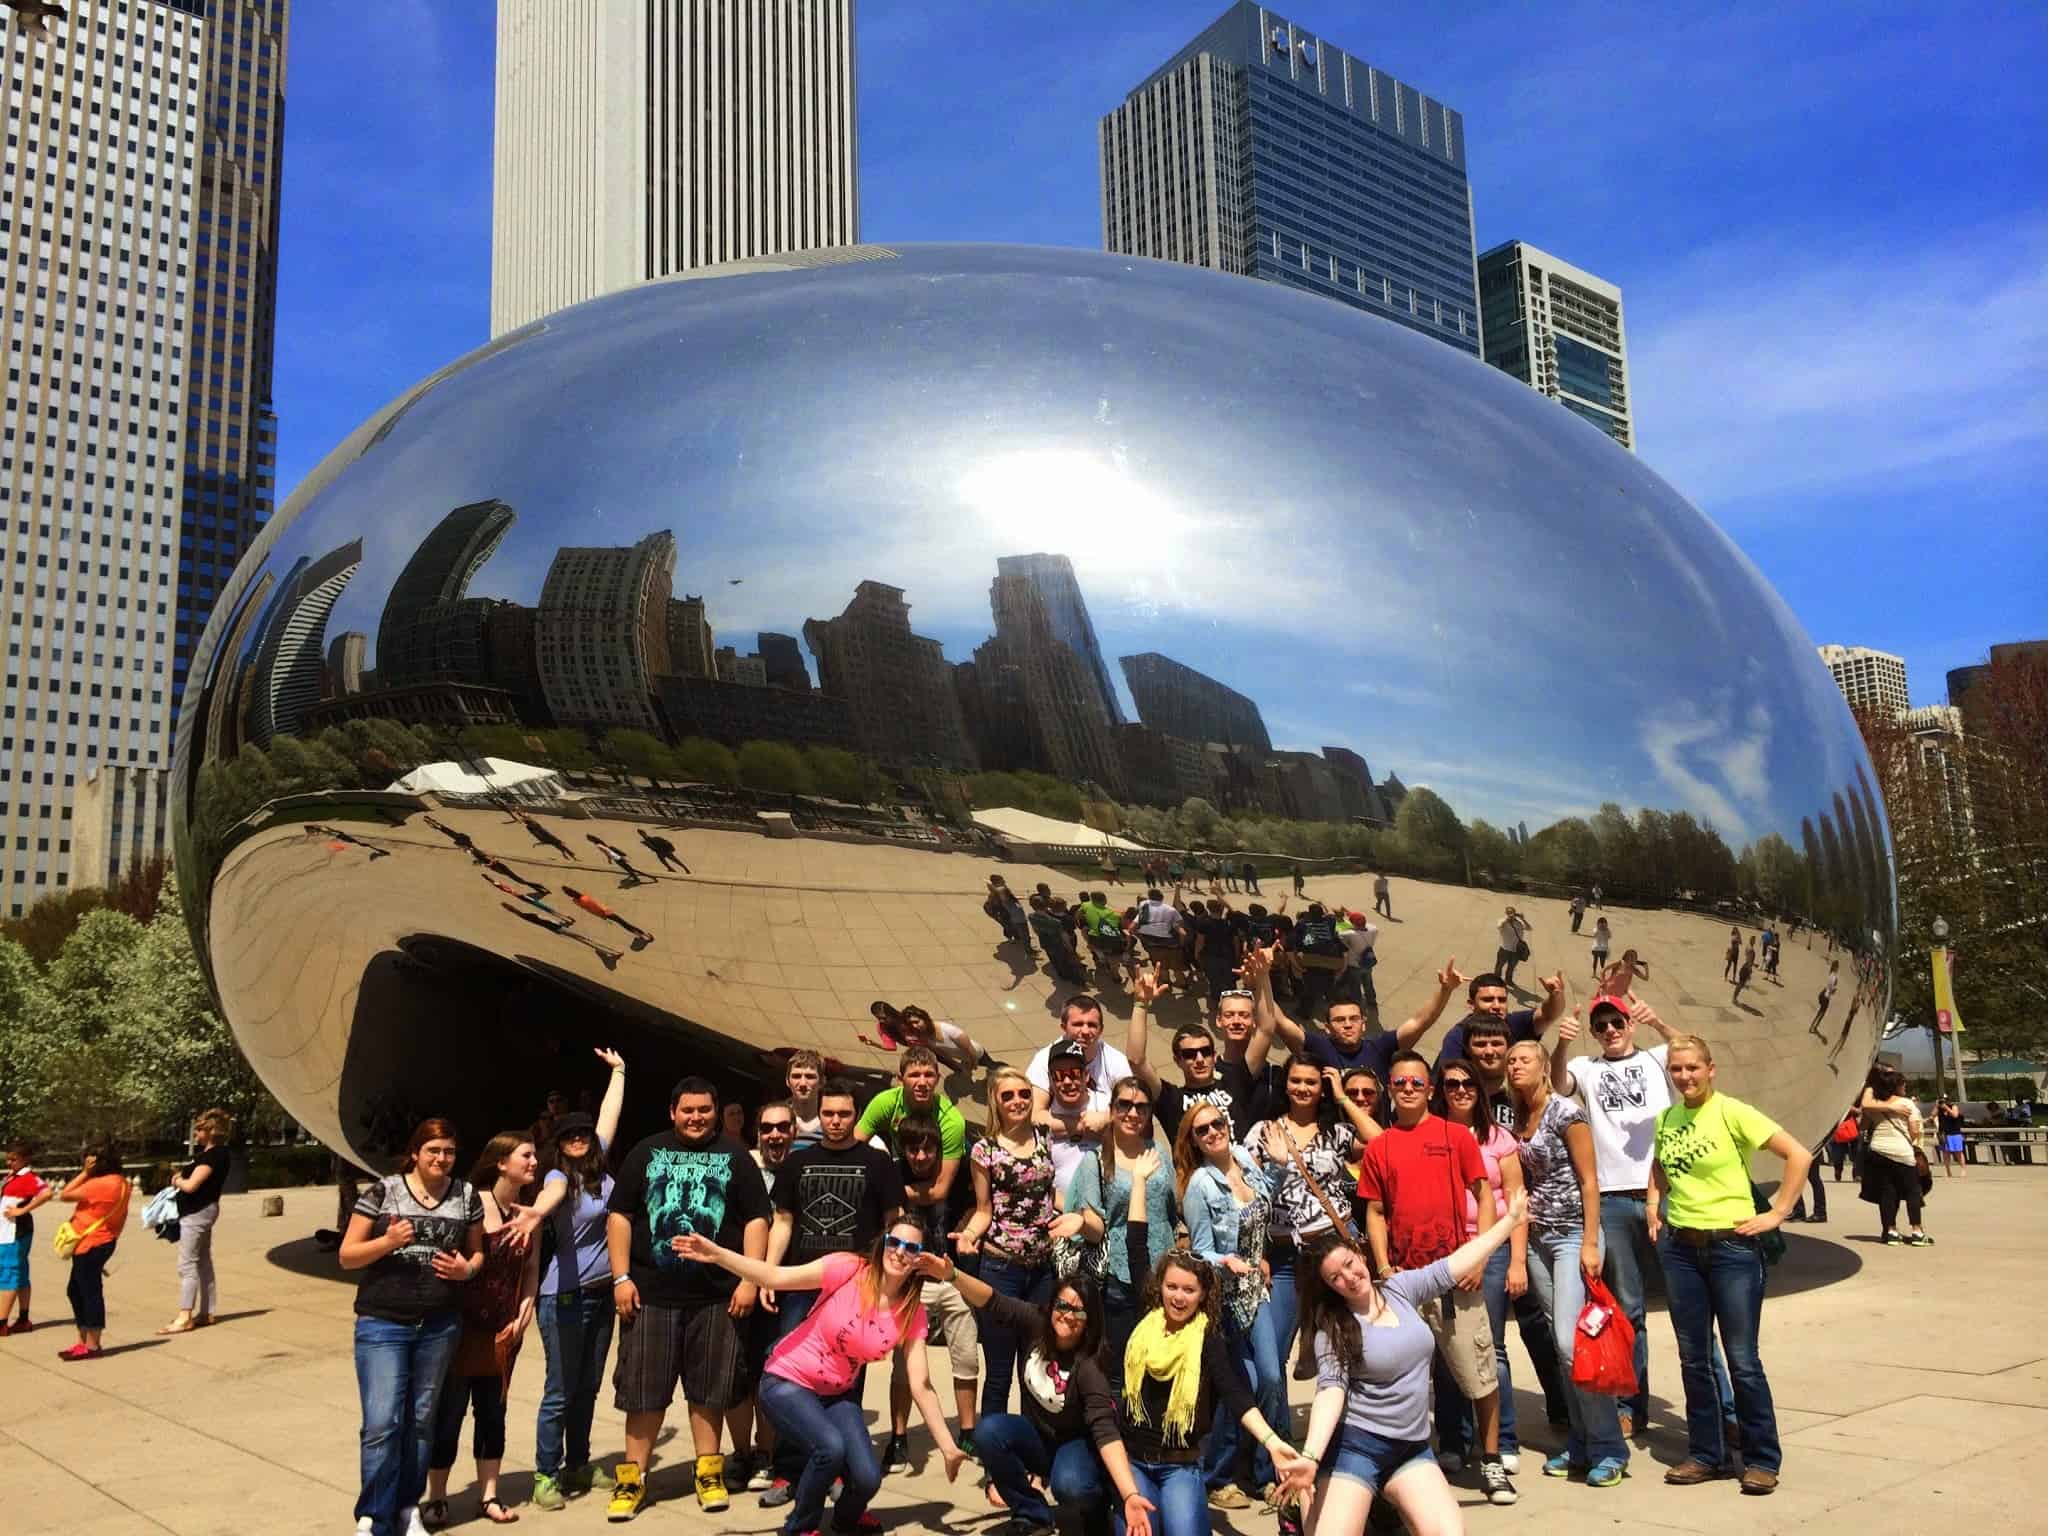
1178,1367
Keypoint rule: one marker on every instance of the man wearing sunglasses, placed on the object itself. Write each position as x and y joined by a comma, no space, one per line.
1623,1090
1227,1080
1414,1179
1080,1024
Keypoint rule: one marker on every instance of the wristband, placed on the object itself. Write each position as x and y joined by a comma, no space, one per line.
618,1280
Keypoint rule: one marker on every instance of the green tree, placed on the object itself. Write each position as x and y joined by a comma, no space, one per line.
1198,818
700,760
1491,852
640,752
25,1047
774,766
1431,832
845,775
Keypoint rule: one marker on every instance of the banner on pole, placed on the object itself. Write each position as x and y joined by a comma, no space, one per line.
1946,1018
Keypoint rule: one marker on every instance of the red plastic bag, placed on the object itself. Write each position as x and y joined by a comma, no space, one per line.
1604,1352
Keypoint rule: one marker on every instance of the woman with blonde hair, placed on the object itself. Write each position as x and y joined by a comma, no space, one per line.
1703,1204
868,1305
199,1184
1224,1199
1016,1209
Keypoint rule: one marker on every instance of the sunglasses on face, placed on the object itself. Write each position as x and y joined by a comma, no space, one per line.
775,1127
1610,1026
1070,1308
910,1248
1363,1096
1207,1126
1197,1052
1459,1085
1407,1082
1133,1107
1014,1094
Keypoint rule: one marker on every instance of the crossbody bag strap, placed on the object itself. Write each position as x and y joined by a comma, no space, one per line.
1301,1167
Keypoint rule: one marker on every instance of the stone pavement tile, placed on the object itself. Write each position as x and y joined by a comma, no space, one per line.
1925,1430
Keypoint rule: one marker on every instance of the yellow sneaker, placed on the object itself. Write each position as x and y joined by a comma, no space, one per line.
628,1493
711,1494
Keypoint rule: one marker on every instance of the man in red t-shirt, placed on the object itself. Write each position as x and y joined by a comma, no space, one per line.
1414,1179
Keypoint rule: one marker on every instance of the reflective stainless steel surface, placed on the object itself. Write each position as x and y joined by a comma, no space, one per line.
898,516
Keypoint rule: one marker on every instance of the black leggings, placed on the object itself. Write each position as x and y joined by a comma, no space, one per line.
86,1288
457,1394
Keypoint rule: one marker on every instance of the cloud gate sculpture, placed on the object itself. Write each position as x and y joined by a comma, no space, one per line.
675,672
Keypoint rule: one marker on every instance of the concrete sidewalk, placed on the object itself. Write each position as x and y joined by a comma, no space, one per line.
1904,1400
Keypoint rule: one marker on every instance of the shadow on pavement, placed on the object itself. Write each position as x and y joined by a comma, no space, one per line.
305,1256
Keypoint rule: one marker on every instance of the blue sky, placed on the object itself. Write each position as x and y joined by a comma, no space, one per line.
1830,223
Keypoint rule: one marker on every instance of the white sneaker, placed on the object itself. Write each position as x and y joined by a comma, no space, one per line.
367,1526
410,1523
1511,1462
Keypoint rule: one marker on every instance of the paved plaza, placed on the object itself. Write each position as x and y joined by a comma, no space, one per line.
1909,1396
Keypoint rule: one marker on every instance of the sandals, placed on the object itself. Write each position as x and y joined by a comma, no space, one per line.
170,1328
496,1512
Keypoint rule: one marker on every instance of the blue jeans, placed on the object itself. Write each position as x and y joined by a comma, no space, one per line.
399,1371
1265,1367
1722,1283
832,1433
1625,1234
792,1307
999,1345
1555,1281
1012,1453
575,1336
1176,1488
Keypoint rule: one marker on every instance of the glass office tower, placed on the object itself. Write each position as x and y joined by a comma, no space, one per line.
1263,150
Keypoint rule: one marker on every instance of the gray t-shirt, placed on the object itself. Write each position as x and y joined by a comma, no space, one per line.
1391,1398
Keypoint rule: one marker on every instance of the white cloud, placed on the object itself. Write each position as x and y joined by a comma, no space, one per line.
1759,371
1710,764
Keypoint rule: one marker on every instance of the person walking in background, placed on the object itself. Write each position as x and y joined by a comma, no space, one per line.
1010,1228
641,937
199,1184
98,1195
417,1235
1708,1234
1558,1168
1382,896
1742,976
21,1193
1603,941
1578,909
1732,961
617,859
497,1309
574,1294
1891,1173
1514,945
662,849
1948,1121
1827,996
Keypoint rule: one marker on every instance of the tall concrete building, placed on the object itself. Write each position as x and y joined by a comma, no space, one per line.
601,632
1262,149
896,683
1874,680
346,654
1966,684
1058,696
1180,701
691,643
431,630
230,458
784,661
1067,612
140,212
636,138
291,645
1559,330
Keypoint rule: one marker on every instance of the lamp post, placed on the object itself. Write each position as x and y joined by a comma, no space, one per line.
1940,931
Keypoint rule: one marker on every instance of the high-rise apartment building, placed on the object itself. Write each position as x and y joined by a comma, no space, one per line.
1061,717
601,632
230,447
1873,680
1180,701
1264,150
1067,612
138,211
1559,330
784,661
291,645
691,644
1966,685
636,138
896,683
431,630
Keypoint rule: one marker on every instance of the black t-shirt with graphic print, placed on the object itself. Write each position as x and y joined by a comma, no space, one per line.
668,1187
402,1287
838,1198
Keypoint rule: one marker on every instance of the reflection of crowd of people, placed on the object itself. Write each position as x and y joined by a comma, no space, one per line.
1123,1261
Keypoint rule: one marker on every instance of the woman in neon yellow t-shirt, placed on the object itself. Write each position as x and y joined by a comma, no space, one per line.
1704,1220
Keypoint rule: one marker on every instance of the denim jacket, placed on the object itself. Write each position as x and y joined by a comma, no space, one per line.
1212,1214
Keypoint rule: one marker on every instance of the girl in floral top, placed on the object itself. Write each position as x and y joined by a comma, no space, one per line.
1308,1135
1016,1212
1556,1151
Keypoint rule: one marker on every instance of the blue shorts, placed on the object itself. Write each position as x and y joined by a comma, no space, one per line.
1374,1460
1953,1142
13,1266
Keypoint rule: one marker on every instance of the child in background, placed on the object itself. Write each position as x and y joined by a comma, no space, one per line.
22,1191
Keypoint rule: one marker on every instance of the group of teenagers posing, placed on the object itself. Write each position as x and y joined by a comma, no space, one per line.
1136,1255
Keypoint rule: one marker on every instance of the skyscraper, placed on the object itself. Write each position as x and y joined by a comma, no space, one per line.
1061,715
291,646
230,437
636,138
601,633
1262,150
432,630
896,683
1182,702
784,660
139,206
1067,612
691,644
1559,330
1874,680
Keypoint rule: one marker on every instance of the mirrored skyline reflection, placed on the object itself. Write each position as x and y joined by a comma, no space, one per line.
1420,604
1151,531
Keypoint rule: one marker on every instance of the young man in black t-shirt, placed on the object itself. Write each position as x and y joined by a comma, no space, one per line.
1229,1080
679,1320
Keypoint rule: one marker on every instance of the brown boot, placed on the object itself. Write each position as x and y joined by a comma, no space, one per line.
1689,1471
1759,1481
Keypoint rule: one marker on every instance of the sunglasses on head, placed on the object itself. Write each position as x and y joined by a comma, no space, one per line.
909,1247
